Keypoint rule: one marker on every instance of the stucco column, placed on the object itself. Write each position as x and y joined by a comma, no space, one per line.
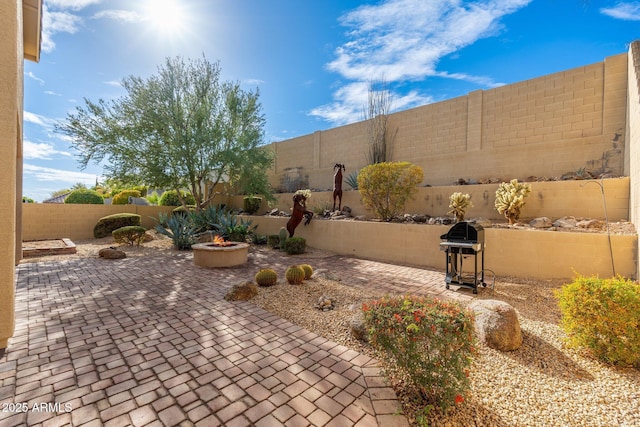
11,104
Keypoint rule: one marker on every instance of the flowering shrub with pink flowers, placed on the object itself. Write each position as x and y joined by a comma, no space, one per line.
430,344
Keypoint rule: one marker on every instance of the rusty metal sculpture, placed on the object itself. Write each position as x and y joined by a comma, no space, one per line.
337,185
299,211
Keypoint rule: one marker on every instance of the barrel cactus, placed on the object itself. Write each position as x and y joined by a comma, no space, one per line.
510,199
308,271
294,275
459,203
266,277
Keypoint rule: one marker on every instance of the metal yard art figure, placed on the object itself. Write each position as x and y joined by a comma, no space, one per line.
337,185
299,211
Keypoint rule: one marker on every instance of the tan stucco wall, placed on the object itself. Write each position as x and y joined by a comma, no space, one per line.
56,221
517,253
553,199
542,127
11,106
632,162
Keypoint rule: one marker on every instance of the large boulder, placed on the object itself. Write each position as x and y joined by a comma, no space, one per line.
496,324
111,253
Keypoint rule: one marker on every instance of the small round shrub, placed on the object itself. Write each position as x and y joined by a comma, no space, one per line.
130,234
170,198
273,241
294,245
308,271
251,204
266,277
294,275
106,225
84,196
603,316
122,198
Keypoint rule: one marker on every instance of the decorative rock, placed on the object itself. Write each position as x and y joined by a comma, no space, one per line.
274,212
496,324
590,223
419,218
358,328
111,253
325,303
360,218
242,292
346,209
541,222
483,222
565,222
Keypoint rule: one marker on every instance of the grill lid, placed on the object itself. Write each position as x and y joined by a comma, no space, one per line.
464,232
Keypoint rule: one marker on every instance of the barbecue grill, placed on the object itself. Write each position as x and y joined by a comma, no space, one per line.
464,240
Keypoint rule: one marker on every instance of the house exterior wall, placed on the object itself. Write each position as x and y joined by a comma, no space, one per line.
543,127
11,106
632,160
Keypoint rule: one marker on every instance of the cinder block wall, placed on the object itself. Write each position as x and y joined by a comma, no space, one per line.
546,126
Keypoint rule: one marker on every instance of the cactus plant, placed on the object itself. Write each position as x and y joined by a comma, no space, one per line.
294,275
459,203
273,240
308,271
510,199
283,236
266,277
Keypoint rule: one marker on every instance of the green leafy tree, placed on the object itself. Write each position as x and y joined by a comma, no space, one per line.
386,187
84,196
183,128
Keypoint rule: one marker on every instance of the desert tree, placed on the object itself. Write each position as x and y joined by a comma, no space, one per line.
182,128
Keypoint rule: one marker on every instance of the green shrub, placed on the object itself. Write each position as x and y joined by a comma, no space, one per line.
251,204
130,234
294,245
510,199
122,198
84,196
386,187
106,225
603,316
430,344
179,228
170,198
273,241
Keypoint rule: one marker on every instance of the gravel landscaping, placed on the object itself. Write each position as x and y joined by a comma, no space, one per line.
541,384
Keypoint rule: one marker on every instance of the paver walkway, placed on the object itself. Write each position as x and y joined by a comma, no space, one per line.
150,341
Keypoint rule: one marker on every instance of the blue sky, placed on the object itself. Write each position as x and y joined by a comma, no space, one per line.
311,60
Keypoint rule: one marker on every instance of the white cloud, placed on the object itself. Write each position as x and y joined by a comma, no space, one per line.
57,22
37,119
625,11
72,4
120,16
52,93
113,83
42,151
49,174
34,77
403,40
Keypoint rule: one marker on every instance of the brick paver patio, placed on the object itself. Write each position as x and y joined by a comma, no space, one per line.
150,341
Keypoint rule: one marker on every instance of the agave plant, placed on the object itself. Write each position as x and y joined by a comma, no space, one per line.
179,228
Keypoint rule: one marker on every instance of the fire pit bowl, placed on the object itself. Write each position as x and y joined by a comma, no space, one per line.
214,255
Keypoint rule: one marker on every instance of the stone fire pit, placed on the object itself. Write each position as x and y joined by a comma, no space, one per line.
215,254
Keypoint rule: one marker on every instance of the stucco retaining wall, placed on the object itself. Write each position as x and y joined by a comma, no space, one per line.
553,199
517,253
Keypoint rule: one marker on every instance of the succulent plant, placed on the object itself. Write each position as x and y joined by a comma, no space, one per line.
308,271
459,203
273,240
294,275
510,199
283,236
266,277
